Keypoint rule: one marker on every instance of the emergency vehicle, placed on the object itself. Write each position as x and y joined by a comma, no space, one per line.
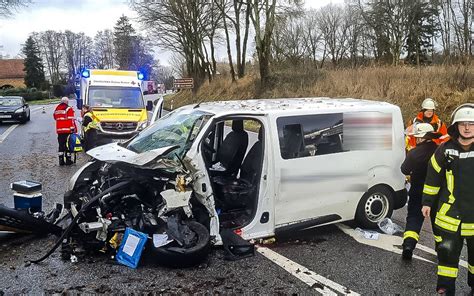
117,101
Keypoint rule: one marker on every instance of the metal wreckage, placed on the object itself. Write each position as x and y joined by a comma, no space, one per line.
120,190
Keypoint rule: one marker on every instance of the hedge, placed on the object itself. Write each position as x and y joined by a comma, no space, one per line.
27,95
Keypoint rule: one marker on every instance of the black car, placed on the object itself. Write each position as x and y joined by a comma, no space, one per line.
14,108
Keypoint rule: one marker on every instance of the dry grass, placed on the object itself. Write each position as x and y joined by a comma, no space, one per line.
403,86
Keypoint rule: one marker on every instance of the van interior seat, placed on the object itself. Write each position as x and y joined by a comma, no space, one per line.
239,193
232,150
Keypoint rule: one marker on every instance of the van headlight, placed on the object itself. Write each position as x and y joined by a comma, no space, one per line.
19,110
142,125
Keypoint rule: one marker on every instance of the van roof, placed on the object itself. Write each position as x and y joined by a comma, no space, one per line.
289,104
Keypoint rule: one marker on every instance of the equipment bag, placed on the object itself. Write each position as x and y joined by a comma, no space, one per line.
74,143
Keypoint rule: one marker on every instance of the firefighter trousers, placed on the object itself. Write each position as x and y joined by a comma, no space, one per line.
415,220
449,250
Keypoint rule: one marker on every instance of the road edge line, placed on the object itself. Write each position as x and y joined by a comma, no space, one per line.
307,276
5,134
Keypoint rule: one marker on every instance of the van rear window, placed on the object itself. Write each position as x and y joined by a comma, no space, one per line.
312,135
309,135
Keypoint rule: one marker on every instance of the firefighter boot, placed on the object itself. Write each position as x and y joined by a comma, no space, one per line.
408,247
68,159
61,158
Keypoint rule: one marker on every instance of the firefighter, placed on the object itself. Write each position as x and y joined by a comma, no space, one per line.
89,128
65,125
427,115
415,165
449,182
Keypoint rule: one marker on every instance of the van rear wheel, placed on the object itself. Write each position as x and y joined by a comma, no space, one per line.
375,205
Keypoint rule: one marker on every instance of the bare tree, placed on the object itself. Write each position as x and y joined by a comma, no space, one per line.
104,50
10,7
180,26
49,43
77,52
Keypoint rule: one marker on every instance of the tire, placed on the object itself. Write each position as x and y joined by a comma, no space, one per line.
181,257
28,118
375,205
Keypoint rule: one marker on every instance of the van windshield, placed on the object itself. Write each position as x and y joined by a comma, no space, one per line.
115,97
177,128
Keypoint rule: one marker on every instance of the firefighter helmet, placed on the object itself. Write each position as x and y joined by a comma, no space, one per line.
421,129
428,104
464,112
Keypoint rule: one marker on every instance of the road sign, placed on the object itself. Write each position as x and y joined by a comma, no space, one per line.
183,83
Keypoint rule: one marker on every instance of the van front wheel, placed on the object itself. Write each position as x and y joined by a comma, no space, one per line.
375,205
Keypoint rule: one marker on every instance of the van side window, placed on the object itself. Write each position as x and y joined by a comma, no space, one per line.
310,135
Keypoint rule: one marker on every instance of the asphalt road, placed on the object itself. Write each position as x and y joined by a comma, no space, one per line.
334,253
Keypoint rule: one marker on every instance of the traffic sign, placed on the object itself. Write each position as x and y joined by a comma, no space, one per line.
183,83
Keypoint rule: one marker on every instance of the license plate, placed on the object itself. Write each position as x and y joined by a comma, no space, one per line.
118,140
5,116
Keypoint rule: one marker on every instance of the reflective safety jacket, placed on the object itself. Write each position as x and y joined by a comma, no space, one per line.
449,181
436,123
89,122
64,116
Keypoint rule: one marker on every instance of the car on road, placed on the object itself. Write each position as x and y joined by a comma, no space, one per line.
14,108
255,168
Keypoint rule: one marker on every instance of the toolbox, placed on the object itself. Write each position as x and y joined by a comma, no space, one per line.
27,195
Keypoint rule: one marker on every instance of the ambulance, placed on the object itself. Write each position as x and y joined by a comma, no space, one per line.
117,101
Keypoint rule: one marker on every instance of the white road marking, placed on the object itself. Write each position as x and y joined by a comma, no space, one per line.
312,279
390,243
7,132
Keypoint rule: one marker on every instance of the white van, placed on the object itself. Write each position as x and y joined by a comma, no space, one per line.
259,167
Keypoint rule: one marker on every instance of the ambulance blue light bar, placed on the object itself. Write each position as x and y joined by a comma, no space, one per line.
141,76
85,73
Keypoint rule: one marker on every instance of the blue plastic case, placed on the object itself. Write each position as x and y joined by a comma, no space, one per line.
131,247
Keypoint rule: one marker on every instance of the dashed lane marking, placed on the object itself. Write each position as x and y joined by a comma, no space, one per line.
390,243
312,279
7,132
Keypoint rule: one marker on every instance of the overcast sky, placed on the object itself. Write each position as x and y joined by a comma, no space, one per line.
88,16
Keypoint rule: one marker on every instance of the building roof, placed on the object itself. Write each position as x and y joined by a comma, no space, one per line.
12,68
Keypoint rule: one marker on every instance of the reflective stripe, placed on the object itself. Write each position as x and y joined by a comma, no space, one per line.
411,234
63,129
438,238
450,182
444,208
467,232
60,112
467,226
470,268
447,271
448,219
435,164
445,225
430,190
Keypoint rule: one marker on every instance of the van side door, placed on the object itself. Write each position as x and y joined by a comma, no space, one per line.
318,179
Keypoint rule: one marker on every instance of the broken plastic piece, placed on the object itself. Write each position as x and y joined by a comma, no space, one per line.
389,227
368,234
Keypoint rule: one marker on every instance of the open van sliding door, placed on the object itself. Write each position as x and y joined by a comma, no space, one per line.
319,181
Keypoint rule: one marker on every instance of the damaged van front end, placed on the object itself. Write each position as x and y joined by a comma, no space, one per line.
150,186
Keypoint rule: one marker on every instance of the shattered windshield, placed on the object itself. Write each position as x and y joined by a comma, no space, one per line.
177,128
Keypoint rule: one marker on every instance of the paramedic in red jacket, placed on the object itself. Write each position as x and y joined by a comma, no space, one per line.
65,125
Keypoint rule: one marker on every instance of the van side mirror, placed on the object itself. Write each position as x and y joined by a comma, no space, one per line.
149,105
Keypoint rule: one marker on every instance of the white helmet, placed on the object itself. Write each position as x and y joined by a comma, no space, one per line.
64,100
421,129
464,112
428,104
